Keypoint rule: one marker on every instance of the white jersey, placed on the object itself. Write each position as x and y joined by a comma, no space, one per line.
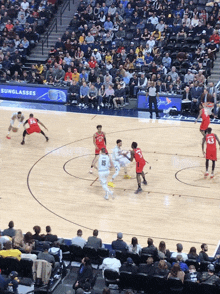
123,161
116,153
104,163
15,116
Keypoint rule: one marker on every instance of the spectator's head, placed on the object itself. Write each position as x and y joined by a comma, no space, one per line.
211,268
173,68
162,264
37,230
11,225
162,246
46,247
179,247
150,241
134,241
129,261
79,233
106,291
112,253
192,268
95,232
28,237
204,246
8,245
150,260
179,258
192,251
119,236
48,229
175,269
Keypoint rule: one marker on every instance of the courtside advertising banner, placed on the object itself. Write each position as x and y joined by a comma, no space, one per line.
37,94
164,102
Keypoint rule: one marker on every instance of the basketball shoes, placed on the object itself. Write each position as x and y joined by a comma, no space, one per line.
206,175
110,184
127,177
139,190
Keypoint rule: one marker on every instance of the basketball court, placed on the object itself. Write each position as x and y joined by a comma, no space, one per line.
49,183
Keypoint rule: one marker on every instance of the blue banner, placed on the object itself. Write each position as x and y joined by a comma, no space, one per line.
164,102
17,92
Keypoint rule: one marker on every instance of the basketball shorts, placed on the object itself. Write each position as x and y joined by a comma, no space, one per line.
211,155
103,176
97,151
204,125
34,129
140,167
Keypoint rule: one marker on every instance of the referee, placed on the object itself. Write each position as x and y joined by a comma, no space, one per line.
153,94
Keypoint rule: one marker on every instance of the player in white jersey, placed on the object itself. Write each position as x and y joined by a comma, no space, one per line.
15,116
118,161
104,163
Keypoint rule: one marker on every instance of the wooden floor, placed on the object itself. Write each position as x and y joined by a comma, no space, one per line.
49,183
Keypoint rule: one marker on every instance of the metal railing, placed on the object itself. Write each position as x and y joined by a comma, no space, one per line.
63,8
48,33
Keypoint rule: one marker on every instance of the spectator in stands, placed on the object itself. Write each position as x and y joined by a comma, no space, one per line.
28,254
94,241
200,77
18,239
119,96
203,256
78,240
110,262
189,77
187,94
192,275
179,248
147,268
83,98
162,251
183,265
9,252
49,236
84,275
37,236
129,266
93,96
150,249
60,74
11,282
174,75
3,240
134,247
142,84
176,272
206,97
10,231
192,254
119,244
210,277
45,255
196,92
162,269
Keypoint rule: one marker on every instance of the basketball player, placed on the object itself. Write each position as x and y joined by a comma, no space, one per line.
205,119
15,116
136,154
99,140
33,127
116,159
211,150
104,164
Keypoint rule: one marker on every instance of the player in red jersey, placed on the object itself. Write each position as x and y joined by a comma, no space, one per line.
205,120
33,127
136,154
99,140
211,150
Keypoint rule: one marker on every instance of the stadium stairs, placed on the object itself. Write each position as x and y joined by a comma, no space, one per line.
36,54
215,72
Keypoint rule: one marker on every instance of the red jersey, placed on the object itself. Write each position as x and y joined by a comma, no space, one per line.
138,155
100,139
205,121
32,122
211,150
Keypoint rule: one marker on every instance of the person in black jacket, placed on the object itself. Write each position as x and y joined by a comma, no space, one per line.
73,93
129,266
119,96
119,244
84,275
203,256
150,249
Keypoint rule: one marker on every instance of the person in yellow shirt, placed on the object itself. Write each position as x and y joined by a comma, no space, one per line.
10,252
75,75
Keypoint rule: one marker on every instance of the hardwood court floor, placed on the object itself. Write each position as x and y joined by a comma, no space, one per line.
49,184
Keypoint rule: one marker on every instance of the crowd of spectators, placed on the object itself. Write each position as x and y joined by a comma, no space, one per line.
21,23
113,49
159,261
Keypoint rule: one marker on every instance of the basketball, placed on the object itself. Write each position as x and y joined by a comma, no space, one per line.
14,129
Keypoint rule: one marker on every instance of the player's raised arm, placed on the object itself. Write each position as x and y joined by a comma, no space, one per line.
42,125
203,144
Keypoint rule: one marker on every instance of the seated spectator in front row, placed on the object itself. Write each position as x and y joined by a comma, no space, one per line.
179,248
192,275
49,236
134,247
192,254
10,231
203,256
150,249
78,240
147,268
162,269
119,244
119,97
94,241
176,272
